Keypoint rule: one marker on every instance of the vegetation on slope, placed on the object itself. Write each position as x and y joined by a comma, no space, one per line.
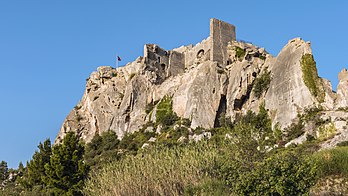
310,77
240,53
261,83
241,158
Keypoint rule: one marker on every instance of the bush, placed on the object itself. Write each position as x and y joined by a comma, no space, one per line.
261,84
282,173
102,149
240,53
332,162
164,112
344,143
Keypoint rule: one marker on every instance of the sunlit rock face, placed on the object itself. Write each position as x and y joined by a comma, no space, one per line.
213,78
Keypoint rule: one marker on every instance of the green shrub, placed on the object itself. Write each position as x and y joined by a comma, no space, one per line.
311,78
209,186
102,149
344,143
332,162
240,53
261,84
295,130
281,173
327,131
262,57
132,142
164,112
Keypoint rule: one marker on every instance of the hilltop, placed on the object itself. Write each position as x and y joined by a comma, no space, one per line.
218,77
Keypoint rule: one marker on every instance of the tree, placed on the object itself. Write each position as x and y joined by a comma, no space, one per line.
66,170
20,168
36,166
3,171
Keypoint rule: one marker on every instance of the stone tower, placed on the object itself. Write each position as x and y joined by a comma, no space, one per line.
220,34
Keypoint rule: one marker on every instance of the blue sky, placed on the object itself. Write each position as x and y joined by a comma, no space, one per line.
49,48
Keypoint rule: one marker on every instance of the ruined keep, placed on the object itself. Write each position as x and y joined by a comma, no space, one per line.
214,48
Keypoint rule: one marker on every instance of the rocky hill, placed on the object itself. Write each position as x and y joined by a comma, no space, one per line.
216,77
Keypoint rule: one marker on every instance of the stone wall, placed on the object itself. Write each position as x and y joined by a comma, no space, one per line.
154,54
220,34
193,57
176,64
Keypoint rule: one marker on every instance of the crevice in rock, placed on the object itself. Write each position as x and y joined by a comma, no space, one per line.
238,103
221,110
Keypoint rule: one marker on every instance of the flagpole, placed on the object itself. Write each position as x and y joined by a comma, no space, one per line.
116,61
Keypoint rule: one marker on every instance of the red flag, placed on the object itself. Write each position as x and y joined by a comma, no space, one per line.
118,58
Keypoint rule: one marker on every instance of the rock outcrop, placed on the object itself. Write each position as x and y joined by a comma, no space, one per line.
219,76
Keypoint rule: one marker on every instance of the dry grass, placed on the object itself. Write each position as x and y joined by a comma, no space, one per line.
167,171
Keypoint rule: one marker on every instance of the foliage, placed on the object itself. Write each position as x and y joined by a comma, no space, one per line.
310,77
261,84
66,169
36,167
332,162
102,149
326,131
164,112
157,171
134,141
240,53
3,171
295,130
262,57
208,186
281,173
344,143
311,114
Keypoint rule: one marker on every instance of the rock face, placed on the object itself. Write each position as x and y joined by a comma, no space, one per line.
288,94
213,78
342,89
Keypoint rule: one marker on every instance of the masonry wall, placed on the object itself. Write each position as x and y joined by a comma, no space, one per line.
191,55
220,34
176,64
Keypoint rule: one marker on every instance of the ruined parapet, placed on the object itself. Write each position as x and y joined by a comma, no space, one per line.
164,63
220,34
154,54
198,53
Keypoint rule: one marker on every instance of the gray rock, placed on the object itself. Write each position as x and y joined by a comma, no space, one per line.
152,139
200,137
145,145
182,139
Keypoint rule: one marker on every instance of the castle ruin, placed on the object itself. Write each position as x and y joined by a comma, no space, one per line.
214,48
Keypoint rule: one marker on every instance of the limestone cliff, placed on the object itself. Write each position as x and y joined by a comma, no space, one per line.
219,76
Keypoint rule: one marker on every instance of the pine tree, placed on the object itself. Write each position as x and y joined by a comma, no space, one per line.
3,171
66,171
36,166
